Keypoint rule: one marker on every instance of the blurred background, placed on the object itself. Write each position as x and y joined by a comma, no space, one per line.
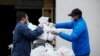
57,10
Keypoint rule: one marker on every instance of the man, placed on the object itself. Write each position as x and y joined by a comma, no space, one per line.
23,36
79,37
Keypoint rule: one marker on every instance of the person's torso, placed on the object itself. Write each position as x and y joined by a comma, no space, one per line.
21,45
81,45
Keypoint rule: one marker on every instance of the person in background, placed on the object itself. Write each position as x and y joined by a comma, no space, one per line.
23,36
79,36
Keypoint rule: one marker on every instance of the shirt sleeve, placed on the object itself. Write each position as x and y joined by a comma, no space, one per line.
68,25
29,33
77,31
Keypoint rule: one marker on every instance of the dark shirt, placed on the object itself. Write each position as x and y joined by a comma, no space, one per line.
22,38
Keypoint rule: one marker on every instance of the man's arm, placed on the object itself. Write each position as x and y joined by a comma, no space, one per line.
68,25
29,33
78,30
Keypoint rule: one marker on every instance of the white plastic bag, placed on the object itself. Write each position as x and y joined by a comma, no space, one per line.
47,27
39,51
43,20
47,35
44,36
49,47
31,26
50,50
10,46
63,51
51,37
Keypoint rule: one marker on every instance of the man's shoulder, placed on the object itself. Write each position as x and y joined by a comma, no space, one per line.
20,26
81,23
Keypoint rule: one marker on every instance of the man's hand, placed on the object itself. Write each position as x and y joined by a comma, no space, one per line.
54,31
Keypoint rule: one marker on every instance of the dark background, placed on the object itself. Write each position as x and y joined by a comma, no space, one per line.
8,22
